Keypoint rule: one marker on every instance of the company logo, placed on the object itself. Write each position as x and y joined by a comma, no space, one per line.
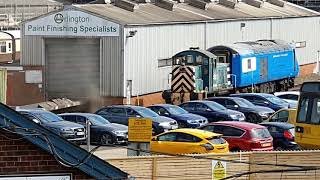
58,18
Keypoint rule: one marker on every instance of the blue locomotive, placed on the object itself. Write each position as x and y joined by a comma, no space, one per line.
256,66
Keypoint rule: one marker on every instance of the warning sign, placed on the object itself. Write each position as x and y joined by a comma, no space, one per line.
219,169
140,130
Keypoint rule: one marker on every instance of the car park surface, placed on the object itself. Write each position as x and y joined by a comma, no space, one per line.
188,141
101,130
212,111
183,117
282,134
253,113
263,99
121,113
242,136
69,130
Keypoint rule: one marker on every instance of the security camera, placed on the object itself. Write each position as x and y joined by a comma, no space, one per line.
132,33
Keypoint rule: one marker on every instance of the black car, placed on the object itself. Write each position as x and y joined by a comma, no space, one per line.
253,113
212,111
283,135
263,99
69,130
183,117
121,113
101,130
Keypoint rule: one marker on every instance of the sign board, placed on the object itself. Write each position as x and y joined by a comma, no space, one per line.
140,130
33,76
219,169
36,177
71,23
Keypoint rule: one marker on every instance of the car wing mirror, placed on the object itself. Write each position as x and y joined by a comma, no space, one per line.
154,139
208,110
266,102
138,116
236,106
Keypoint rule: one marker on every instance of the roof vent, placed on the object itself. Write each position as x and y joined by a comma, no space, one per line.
166,4
279,3
227,3
199,4
127,5
254,3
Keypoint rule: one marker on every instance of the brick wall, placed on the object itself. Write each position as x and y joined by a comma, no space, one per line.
307,69
19,156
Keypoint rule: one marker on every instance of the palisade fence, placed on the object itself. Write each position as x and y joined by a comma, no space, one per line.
242,165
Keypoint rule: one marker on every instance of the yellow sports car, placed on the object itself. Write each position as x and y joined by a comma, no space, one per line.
188,141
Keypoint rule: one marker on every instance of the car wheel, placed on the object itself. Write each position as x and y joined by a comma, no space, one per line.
106,139
252,118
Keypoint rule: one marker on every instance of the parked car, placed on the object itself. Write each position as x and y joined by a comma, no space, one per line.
183,117
69,130
101,130
242,136
263,99
253,113
121,113
291,97
283,135
284,115
188,141
212,111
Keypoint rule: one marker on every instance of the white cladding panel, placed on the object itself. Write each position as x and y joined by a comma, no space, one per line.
151,43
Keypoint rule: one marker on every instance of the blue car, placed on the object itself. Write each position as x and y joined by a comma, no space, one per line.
183,117
212,111
121,113
263,99
282,134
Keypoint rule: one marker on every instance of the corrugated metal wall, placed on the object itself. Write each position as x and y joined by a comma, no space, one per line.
111,69
152,43
3,85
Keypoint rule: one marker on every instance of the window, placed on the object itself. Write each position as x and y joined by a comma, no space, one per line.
209,128
168,137
315,114
132,113
230,103
285,96
81,120
281,116
220,101
164,62
201,107
183,137
273,129
69,118
249,64
232,132
302,114
117,111
189,106
103,111
3,47
293,97
162,111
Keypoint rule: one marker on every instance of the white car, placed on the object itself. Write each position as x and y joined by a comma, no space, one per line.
290,96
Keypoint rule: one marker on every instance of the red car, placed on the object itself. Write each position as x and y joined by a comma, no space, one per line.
242,136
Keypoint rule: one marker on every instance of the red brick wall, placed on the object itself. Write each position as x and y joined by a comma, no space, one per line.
19,93
307,69
22,157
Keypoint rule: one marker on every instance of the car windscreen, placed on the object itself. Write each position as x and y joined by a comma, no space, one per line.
216,140
243,102
215,106
176,110
48,116
260,133
98,120
145,112
275,100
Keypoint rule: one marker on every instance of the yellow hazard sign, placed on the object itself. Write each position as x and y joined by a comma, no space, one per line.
139,130
219,169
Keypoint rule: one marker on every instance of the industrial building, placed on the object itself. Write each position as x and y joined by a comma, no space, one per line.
107,52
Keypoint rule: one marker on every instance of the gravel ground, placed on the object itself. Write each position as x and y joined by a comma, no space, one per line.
300,79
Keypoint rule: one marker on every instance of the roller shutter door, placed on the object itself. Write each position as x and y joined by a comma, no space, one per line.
72,68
